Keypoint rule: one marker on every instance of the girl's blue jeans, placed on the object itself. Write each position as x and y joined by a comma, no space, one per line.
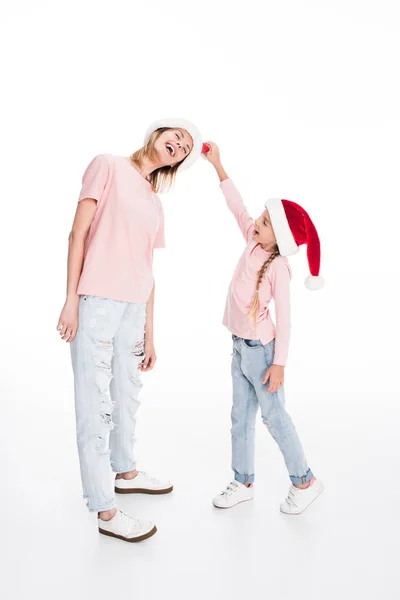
250,361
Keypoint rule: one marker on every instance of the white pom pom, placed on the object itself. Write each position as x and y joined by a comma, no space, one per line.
314,283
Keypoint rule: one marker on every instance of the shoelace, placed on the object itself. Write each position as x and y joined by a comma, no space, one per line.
291,498
131,522
153,479
231,487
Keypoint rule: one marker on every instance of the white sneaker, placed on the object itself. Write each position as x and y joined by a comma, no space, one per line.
299,499
127,528
233,494
142,484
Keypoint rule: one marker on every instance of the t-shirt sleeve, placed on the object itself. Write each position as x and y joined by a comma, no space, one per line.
237,207
95,178
280,276
159,240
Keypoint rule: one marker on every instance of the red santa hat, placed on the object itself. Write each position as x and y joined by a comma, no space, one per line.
180,124
293,227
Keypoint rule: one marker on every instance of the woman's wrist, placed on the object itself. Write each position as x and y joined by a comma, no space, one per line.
72,297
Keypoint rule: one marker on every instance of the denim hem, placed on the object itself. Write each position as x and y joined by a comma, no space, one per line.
108,506
243,478
124,469
299,480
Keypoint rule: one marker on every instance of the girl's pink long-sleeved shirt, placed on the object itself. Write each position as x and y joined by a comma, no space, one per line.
275,284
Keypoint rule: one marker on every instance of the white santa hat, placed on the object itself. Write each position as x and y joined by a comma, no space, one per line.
293,227
180,124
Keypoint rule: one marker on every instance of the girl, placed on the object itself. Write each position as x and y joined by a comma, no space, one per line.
259,349
110,295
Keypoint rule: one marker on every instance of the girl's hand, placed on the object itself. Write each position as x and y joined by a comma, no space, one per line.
276,376
214,158
150,356
213,155
68,321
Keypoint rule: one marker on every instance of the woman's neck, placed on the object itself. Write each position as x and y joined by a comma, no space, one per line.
147,167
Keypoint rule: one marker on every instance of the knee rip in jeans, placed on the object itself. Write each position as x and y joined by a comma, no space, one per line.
134,376
107,406
138,349
106,423
281,424
103,354
102,379
103,358
107,420
102,444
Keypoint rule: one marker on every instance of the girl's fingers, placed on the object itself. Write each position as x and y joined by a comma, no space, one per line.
274,387
73,334
267,375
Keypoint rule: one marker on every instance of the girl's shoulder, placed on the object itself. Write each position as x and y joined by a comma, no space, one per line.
280,264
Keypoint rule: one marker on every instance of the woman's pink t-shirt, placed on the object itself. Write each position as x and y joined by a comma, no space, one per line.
275,284
128,225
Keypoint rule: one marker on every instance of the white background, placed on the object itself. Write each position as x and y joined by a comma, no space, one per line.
303,99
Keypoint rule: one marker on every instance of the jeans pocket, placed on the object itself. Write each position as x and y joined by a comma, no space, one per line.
269,350
252,343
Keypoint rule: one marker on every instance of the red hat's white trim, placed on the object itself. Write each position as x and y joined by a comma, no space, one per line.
284,237
180,124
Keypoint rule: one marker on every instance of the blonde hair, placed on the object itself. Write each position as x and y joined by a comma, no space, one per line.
255,307
161,179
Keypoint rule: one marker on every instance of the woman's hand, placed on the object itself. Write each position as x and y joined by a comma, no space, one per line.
68,321
276,376
150,356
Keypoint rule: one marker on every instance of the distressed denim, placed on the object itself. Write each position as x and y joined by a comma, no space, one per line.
106,353
250,361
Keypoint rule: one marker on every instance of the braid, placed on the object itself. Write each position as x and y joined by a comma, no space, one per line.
255,307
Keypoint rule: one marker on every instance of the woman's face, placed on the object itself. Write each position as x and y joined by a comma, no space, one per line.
263,232
173,146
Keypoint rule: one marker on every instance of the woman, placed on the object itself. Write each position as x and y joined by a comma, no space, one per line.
108,313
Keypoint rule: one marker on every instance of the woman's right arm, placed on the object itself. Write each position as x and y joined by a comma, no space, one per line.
232,196
68,321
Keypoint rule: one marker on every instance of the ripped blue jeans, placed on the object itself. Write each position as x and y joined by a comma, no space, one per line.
250,361
106,353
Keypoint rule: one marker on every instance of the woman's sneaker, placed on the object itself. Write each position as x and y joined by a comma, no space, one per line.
143,484
127,528
298,499
233,494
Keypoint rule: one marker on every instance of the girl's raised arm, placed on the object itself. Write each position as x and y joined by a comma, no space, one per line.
232,195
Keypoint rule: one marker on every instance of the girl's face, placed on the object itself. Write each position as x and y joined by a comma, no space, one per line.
263,232
173,146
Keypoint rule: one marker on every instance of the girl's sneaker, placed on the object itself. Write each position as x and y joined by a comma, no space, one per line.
126,528
299,499
233,494
143,484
